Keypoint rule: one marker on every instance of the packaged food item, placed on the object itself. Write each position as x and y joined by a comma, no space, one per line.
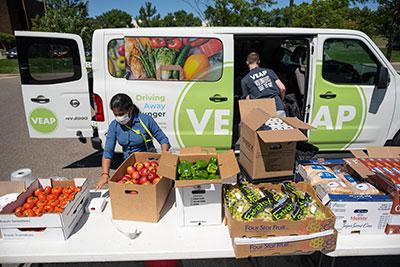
248,202
316,174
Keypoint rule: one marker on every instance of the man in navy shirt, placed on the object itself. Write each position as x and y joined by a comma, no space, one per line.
263,83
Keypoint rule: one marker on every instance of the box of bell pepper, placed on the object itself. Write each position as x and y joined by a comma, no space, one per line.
197,166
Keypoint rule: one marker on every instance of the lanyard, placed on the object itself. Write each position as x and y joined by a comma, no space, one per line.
142,135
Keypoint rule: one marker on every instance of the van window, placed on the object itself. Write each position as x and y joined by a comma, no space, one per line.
166,58
347,61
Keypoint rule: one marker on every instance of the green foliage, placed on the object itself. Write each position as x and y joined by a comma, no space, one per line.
148,16
69,16
9,66
114,18
7,40
180,18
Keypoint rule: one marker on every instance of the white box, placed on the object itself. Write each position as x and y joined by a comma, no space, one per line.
359,214
25,228
199,205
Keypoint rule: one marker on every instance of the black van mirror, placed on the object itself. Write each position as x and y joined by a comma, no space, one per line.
383,78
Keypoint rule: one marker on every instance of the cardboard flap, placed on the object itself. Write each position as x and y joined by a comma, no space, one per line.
197,150
187,183
383,152
167,166
228,165
7,187
278,136
296,123
358,167
266,104
257,118
359,153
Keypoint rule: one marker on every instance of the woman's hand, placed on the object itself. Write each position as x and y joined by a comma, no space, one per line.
102,180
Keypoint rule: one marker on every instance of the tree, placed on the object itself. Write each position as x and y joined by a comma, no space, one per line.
6,40
148,16
114,18
69,16
180,18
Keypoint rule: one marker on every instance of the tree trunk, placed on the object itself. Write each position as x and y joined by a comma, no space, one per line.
290,17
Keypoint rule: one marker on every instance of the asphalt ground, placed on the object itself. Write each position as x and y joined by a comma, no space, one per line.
70,158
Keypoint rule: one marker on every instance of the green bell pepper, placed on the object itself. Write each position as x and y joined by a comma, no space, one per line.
213,160
201,164
200,175
213,176
212,168
186,174
183,165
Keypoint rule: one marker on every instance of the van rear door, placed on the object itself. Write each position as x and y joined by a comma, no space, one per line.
54,84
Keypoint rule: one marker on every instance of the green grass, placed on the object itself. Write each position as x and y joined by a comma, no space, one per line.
9,66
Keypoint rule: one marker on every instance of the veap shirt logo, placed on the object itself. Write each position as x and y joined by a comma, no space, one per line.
43,120
262,80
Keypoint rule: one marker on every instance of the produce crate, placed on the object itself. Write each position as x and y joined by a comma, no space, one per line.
49,226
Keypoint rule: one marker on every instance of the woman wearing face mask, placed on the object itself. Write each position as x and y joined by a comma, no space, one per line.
133,131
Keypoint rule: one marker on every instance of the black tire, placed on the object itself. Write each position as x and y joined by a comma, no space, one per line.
396,140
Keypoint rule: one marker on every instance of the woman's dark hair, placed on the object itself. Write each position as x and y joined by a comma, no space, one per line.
124,102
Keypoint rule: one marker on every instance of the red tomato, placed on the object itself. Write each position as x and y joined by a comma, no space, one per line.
143,179
70,197
42,196
41,203
38,191
28,206
63,203
29,213
47,190
58,209
38,212
53,202
51,197
56,190
48,208
32,200
147,164
66,191
19,212
151,176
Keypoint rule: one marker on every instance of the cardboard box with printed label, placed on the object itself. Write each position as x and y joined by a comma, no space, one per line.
355,213
199,202
137,202
264,238
382,166
267,153
51,226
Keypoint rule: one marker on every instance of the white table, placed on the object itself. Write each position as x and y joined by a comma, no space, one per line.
96,239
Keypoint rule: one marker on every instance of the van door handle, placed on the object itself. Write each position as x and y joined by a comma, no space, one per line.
40,99
328,95
218,98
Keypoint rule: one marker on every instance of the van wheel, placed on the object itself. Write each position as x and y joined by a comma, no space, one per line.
396,140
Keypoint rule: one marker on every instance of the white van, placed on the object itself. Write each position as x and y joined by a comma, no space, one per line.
188,80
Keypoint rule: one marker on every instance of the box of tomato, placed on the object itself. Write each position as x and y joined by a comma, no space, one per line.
46,210
137,192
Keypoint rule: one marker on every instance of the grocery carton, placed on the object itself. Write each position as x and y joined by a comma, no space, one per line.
199,202
137,202
356,212
382,166
50,226
268,152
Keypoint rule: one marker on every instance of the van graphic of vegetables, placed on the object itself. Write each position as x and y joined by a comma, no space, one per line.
169,58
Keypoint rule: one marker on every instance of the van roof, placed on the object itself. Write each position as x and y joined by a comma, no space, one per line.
230,30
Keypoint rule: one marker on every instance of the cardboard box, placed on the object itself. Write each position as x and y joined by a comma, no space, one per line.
199,202
284,227
52,226
267,153
355,214
324,243
386,182
144,206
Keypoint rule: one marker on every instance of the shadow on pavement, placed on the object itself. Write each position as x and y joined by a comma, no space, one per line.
94,160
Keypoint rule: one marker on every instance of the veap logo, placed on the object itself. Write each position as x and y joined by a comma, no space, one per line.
323,117
221,119
43,120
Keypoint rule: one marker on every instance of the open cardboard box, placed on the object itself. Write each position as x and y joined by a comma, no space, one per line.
267,153
51,226
268,238
199,202
138,202
355,213
389,184
283,227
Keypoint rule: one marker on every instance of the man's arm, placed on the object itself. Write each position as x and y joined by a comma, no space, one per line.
281,87
245,92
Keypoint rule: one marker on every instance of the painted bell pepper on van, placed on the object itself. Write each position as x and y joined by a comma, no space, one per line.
188,80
